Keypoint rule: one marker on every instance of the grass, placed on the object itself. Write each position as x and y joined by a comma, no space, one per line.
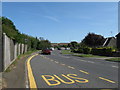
89,55
117,59
13,64
66,52
80,55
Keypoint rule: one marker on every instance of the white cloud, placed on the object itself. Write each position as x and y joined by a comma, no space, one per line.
52,18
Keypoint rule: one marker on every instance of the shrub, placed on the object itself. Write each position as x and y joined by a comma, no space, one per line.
85,50
104,51
80,50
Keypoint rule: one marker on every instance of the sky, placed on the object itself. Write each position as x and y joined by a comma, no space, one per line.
63,22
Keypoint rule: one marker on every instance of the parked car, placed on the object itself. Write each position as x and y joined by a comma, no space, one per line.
46,51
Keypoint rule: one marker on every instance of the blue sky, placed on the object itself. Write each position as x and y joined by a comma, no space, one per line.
63,21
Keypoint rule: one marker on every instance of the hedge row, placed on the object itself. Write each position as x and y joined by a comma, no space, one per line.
104,51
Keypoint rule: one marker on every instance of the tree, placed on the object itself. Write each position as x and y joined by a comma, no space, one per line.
33,43
43,44
93,40
73,44
9,28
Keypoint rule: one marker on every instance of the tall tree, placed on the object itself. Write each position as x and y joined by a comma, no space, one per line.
9,28
73,44
93,40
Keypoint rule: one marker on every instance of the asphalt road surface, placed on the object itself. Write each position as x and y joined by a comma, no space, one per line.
67,71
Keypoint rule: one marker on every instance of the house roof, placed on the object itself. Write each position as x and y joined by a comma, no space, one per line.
59,43
118,35
107,41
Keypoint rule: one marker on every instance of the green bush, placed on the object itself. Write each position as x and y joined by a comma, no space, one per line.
104,51
74,50
85,50
80,50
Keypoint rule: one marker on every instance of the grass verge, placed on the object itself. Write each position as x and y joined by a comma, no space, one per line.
80,55
89,55
66,52
117,59
14,63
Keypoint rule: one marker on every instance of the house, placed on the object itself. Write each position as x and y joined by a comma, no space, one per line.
118,41
62,43
110,42
57,44
54,44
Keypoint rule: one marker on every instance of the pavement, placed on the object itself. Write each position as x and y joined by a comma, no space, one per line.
16,78
67,71
0,80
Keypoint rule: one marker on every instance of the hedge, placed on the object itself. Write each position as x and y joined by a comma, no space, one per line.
104,51
85,50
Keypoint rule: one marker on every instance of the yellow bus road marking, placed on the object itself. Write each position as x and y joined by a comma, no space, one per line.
71,67
32,82
71,78
56,62
83,71
106,79
52,78
63,64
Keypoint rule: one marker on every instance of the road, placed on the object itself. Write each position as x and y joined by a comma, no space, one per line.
67,71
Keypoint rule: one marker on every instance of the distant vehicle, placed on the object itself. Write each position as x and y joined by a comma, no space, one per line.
46,51
52,48
59,48
67,48
62,48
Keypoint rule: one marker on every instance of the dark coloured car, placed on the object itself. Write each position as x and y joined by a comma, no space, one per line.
59,48
46,51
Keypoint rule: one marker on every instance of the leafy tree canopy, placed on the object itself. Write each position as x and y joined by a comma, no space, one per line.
93,40
9,28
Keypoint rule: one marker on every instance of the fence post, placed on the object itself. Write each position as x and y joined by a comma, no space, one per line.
18,49
6,51
15,50
1,49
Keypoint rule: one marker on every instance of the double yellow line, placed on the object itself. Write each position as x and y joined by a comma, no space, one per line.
32,83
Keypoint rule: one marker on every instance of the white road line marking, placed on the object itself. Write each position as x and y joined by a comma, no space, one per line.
91,62
115,66
83,60
64,56
67,57
56,62
63,64
71,67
